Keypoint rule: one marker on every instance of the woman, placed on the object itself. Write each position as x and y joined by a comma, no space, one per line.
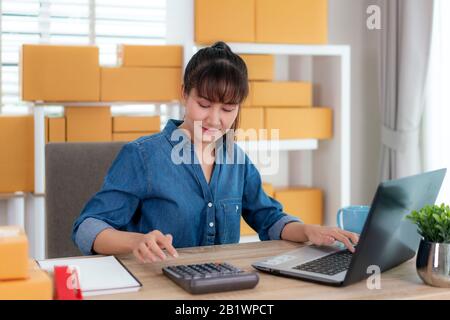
174,189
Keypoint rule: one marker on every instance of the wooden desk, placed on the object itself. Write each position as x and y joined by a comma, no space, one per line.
401,282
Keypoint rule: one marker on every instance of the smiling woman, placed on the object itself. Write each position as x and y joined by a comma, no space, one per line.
216,81
149,202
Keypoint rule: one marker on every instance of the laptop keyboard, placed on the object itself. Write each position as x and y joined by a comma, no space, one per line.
330,265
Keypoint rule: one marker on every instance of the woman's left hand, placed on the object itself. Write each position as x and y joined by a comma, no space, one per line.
321,235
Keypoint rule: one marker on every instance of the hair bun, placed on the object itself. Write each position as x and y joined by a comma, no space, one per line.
221,46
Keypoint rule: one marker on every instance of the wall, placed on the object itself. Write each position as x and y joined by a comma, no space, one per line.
347,25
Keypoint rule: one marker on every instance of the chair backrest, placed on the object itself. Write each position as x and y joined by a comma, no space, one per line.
74,172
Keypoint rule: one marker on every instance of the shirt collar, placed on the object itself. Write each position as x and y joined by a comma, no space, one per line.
173,125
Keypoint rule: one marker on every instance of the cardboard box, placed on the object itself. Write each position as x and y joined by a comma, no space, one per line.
38,286
56,129
140,84
260,67
17,149
229,21
13,253
295,21
130,136
282,94
246,230
60,73
300,123
305,203
250,122
150,56
88,124
248,102
136,124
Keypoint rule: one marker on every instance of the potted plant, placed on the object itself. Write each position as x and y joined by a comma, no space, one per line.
433,257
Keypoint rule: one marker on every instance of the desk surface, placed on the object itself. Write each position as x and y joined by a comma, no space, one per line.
401,282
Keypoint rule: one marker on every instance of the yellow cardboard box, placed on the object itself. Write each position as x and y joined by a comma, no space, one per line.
293,21
246,230
17,154
56,129
60,73
305,203
88,124
300,123
250,122
136,124
150,56
130,136
248,102
231,20
260,67
282,94
140,84
13,253
38,286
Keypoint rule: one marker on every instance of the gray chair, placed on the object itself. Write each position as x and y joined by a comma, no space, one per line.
74,172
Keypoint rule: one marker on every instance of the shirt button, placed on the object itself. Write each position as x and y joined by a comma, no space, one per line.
211,224
209,204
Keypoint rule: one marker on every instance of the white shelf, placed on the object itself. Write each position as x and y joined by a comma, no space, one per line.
98,103
288,49
282,145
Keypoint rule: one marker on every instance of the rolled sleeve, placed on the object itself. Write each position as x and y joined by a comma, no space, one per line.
87,232
276,229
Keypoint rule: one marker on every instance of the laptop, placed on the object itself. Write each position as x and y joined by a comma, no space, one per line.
387,239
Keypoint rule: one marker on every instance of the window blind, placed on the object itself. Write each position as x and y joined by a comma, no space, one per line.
105,23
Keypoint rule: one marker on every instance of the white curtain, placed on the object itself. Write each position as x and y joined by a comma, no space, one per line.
436,124
404,53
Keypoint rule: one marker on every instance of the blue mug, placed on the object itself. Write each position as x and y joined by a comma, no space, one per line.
352,218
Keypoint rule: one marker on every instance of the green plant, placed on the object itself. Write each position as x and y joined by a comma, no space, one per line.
433,222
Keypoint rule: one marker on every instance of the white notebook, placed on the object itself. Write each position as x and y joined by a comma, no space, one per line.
98,275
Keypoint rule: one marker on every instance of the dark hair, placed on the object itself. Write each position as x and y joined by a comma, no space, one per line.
218,75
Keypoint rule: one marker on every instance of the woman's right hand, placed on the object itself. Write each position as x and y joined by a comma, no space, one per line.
149,249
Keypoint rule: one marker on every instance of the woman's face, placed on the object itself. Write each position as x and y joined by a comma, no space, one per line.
206,120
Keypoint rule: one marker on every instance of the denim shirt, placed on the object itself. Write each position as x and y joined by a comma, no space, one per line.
146,190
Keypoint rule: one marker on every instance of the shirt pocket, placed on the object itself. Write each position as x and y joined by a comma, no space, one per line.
231,214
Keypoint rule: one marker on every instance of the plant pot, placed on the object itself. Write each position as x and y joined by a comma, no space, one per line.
433,263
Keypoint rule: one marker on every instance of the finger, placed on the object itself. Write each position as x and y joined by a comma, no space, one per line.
146,253
328,240
166,243
353,236
156,250
344,240
138,255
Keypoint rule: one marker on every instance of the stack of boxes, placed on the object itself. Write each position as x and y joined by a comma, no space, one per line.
20,277
263,21
53,73
146,73
280,105
72,74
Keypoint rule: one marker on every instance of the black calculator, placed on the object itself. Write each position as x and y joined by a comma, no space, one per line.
211,277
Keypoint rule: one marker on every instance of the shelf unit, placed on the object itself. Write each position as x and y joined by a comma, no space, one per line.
326,166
